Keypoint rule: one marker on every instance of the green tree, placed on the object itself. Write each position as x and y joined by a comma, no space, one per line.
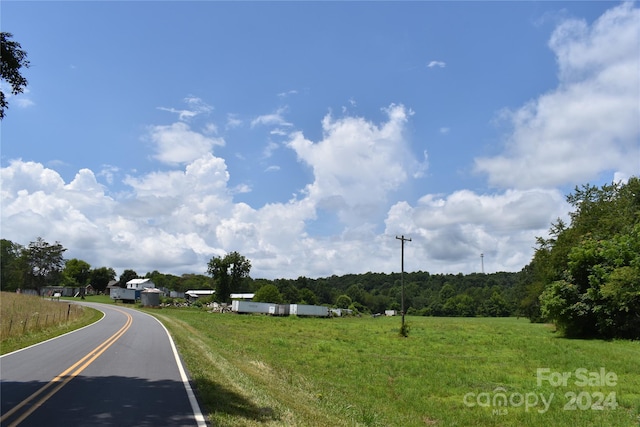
447,292
193,281
126,276
307,296
77,271
495,306
12,59
356,292
45,262
12,266
343,301
593,267
268,293
228,274
290,294
100,278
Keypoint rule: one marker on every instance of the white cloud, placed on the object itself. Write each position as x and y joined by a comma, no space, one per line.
108,172
275,119
449,233
233,121
197,107
279,132
177,143
175,221
241,189
287,93
269,149
439,64
29,177
587,125
21,100
357,163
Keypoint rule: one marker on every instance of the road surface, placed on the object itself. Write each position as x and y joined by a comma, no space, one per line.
121,371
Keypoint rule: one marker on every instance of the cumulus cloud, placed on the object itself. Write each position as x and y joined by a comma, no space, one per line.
176,220
177,143
450,232
357,163
587,125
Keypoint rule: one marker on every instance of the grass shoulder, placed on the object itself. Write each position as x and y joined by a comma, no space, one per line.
27,320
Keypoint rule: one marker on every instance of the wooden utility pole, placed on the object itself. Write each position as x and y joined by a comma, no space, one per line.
402,239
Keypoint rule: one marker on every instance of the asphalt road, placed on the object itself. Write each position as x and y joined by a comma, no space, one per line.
121,371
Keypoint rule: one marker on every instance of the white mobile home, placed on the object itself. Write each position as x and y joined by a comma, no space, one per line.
140,284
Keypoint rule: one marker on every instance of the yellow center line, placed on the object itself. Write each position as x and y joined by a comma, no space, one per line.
67,375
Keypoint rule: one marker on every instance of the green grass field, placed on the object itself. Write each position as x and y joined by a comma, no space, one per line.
260,370
270,371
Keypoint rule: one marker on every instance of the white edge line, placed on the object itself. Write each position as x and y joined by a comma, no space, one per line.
195,407
59,336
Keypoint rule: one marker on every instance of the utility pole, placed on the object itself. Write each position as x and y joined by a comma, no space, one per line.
482,262
402,239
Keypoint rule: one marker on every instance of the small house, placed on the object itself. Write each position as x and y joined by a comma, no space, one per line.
140,284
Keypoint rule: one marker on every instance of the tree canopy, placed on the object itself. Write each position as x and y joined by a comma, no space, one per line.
268,293
12,59
45,262
77,272
228,273
100,278
587,275
13,266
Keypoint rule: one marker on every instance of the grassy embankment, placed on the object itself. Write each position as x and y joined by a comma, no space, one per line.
261,371
29,319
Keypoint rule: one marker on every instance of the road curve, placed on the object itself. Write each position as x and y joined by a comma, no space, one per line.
121,371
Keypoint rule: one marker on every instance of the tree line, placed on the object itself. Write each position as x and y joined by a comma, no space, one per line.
42,264
585,277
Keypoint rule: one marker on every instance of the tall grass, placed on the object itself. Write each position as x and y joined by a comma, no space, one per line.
28,319
260,370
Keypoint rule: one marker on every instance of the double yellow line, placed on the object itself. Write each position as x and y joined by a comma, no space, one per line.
63,378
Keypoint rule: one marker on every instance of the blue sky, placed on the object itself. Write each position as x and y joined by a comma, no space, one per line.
306,136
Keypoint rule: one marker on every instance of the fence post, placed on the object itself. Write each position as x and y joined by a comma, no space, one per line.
68,311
